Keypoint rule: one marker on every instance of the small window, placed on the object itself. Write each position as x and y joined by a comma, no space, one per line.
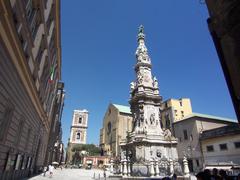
223,147
197,162
185,135
109,128
167,121
78,135
237,144
175,112
182,113
180,102
80,120
210,148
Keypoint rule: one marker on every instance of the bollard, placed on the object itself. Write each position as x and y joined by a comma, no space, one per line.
99,176
185,168
125,167
171,167
94,175
152,173
157,168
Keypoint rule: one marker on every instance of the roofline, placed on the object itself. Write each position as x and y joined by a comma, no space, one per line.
216,118
118,109
234,131
78,110
175,99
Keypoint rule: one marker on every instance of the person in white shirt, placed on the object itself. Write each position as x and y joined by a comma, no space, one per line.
50,168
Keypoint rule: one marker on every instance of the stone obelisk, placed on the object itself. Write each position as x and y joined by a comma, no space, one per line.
148,142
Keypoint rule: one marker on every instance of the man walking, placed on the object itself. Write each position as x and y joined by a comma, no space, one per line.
44,170
50,167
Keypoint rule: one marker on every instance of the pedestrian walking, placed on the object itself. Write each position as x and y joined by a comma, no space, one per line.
51,170
104,174
44,170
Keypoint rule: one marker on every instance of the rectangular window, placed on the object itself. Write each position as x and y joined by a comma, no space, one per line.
175,112
210,148
197,162
191,137
182,113
185,135
223,147
237,144
80,120
180,102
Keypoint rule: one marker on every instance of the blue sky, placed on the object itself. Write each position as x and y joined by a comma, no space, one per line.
98,56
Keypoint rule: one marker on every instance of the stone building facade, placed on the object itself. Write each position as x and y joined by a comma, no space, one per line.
188,132
116,123
224,26
30,69
221,147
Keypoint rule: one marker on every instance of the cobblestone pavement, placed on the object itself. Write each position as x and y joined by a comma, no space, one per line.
72,174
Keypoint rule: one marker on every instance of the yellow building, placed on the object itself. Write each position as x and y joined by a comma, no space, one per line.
174,110
116,123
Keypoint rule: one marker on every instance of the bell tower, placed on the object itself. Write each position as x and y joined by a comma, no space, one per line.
79,127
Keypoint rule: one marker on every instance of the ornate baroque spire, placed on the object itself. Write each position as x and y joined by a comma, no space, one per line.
145,99
142,52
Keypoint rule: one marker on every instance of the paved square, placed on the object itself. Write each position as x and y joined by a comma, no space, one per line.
72,174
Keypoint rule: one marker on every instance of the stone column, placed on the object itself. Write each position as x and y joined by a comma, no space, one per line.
152,172
111,165
171,166
121,166
128,167
124,167
185,167
157,169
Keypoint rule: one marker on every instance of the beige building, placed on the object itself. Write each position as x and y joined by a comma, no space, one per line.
221,147
188,132
118,120
78,131
173,110
30,69
116,123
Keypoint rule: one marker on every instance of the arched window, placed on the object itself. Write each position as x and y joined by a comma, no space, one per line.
109,128
78,135
80,120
